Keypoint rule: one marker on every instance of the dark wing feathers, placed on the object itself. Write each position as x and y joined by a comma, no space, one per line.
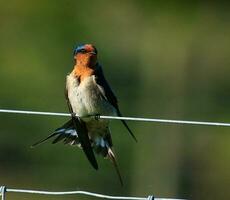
109,95
59,138
64,132
68,134
107,91
126,125
43,140
80,127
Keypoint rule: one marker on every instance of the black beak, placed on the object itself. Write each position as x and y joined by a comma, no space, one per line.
93,53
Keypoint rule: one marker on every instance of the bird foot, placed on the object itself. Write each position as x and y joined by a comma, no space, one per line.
97,117
73,114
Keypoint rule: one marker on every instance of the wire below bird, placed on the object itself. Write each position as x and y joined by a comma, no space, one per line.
3,190
169,121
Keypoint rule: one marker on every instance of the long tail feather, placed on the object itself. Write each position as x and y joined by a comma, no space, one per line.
113,160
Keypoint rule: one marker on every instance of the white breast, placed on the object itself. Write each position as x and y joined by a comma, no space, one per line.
86,97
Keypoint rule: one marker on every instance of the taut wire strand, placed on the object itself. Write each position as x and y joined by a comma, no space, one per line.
169,121
4,189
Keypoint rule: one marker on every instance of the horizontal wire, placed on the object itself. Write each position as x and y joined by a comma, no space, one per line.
121,118
3,189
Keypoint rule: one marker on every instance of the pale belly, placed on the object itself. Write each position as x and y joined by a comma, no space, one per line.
86,98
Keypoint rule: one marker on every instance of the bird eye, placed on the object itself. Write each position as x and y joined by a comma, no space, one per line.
83,51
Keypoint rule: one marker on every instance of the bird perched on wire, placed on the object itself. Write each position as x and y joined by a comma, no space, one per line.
89,94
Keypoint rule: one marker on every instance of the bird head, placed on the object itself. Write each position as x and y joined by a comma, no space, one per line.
85,49
85,54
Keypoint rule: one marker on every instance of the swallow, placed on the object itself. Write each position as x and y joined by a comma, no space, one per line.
88,94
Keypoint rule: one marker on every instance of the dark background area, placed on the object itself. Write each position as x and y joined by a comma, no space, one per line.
163,60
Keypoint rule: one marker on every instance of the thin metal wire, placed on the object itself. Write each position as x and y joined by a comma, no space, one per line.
2,192
169,121
150,197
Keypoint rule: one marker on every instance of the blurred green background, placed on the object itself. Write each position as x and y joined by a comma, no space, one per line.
163,60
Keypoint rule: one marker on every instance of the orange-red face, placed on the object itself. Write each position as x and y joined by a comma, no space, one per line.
85,49
86,54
